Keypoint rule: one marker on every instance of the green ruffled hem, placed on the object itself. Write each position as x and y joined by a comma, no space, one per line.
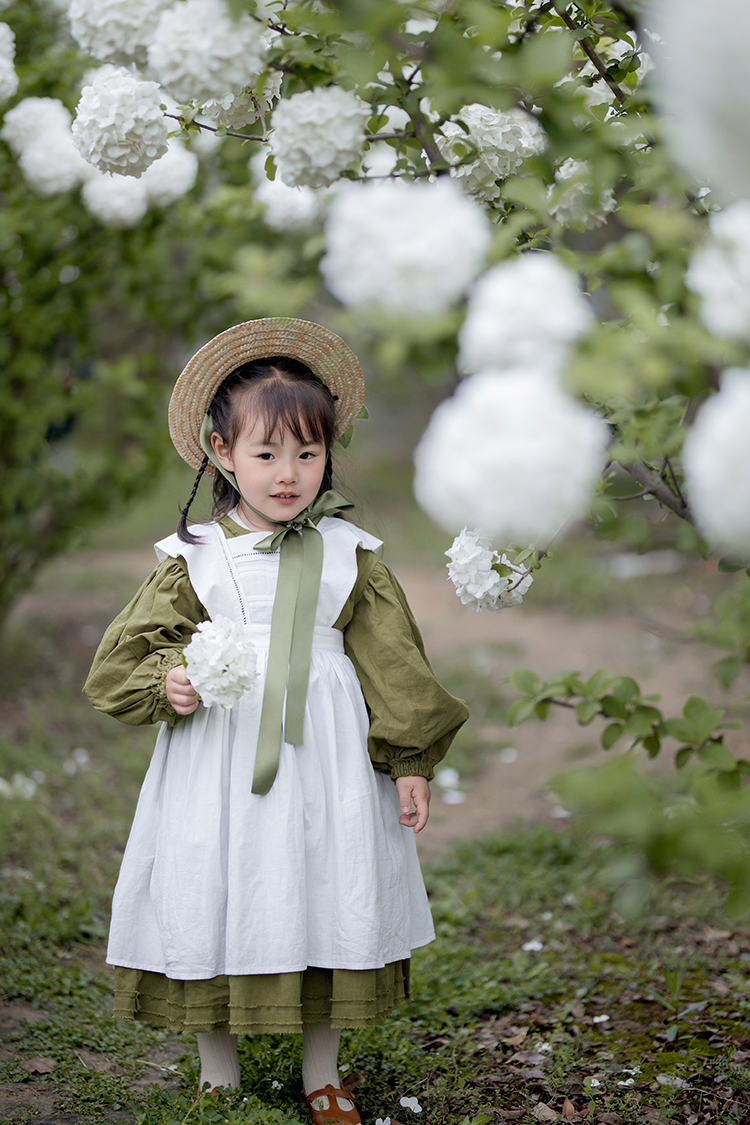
263,1004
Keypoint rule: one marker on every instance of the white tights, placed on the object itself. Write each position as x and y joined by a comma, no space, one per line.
320,1049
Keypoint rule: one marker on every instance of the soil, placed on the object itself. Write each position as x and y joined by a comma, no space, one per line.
507,790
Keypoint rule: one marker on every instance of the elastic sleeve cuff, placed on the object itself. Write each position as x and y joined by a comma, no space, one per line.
172,658
421,765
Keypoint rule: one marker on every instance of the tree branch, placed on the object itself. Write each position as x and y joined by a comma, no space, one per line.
655,485
214,128
589,50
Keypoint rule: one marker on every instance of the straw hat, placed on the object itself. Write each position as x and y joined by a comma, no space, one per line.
324,352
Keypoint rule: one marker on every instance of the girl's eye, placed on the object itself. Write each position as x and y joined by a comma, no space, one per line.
266,456
307,455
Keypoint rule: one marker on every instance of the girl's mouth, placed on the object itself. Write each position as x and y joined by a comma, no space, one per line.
285,496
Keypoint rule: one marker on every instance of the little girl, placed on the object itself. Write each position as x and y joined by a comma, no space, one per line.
271,882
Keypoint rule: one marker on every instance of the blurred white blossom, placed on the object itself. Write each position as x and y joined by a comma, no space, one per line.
504,139
7,41
574,201
51,164
8,78
316,134
20,786
220,662
26,122
720,272
115,31
119,124
510,453
702,81
412,1104
485,579
171,176
199,52
717,465
525,311
116,201
284,208
407,247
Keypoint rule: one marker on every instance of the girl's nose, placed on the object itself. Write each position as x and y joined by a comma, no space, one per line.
287,472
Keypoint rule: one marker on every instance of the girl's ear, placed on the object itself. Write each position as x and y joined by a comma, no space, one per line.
221,449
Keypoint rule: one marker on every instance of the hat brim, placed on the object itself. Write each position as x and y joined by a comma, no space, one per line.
323,351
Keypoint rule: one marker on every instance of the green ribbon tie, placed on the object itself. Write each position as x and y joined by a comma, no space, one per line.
300,546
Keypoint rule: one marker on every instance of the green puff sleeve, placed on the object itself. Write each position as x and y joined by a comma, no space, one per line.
413,719
127,678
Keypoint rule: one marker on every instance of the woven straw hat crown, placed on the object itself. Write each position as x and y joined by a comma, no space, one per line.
323,351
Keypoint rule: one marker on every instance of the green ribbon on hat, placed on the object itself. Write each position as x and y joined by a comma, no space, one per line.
300,546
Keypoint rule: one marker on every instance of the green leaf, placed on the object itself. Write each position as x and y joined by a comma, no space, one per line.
519,711
652,745
586,710
525,681
598,683
728,564
683,756
613,708
625,689
270,167
611,734
718,755
728,669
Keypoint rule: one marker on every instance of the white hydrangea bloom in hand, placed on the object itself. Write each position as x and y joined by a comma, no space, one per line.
720,273
119,125
504,139
115,31
406,247
717,465
472,571
26,122
525,311
199,52
116,201
171,176
220,662
511,454
574,201
316,134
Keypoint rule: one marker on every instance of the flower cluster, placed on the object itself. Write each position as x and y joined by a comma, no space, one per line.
720,273
574,201
284,208
238,109
8,76
199,53
511,454
119,124
116,31
316,134
38,132
524,312
407,247
717,465
503,141
484,578
220,662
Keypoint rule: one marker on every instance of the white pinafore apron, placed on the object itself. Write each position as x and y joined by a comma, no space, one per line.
317,872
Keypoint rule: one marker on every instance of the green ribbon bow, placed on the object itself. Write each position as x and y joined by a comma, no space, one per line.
292,621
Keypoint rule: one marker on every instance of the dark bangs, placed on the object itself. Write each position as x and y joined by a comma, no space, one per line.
284,394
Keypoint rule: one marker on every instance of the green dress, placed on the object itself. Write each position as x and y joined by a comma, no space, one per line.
383,643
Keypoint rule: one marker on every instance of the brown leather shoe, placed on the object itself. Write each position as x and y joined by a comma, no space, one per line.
333,1115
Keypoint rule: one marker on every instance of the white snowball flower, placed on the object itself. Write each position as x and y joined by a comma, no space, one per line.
702,79
407,247
171,176
119,125
483,578
720,272
717,465
316,134
8,78
236,110
284,208
199,52
52,165
511,454
30,119
504,139
115,30
7,42
525,311
220,662
574,201
116,201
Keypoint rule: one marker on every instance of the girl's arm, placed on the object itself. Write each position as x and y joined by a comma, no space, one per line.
142,646
417,790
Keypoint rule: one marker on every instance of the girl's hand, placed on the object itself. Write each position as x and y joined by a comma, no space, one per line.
416,789
180,692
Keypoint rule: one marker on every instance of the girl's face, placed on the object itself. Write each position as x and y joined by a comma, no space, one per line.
279,476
